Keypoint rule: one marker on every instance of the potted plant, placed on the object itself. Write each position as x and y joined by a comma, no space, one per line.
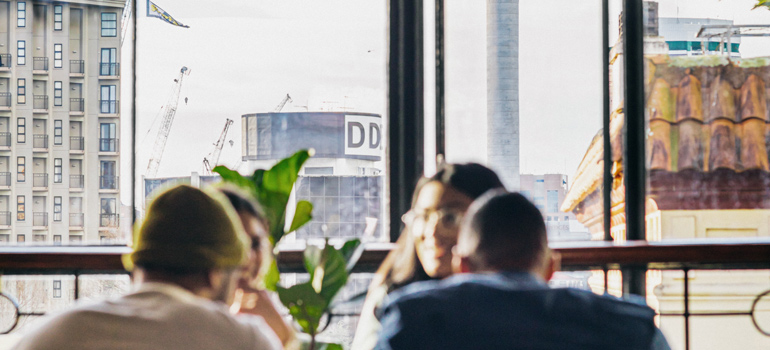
328,267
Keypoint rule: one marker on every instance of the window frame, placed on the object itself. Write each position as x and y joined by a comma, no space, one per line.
21,14
21,208
21,130
58,131
57,93
107,21
21,52
57,55
57,208
57,170
58,16
21,169
21,91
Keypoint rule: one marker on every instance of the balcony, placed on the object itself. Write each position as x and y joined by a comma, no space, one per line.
109,70
76,220
108,145
5,180
109,220
40,103
108,182
77,144
5,101
5,139
109,106
39,181
40,142
77,181
5,219
5,62
40,220
77,68
77,105
40,65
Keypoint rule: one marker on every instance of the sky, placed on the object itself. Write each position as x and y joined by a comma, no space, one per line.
245,56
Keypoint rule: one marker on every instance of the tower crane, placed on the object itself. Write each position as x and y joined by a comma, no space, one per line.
165,126
207,166
283,103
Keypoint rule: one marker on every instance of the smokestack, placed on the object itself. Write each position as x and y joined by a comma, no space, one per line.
503,90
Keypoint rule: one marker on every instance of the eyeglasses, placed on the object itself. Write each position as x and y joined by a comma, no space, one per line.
447,218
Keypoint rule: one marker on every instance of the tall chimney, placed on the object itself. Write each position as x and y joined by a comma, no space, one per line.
503,90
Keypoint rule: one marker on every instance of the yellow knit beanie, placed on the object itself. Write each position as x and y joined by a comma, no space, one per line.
188,229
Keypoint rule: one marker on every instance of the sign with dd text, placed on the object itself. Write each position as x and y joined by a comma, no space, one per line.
363,135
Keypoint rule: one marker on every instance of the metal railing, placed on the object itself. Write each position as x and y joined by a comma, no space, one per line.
77,67
108,182
109,220
40,102
40,180
109,69
5,60
40,219
109,106
77,181
108,145
5,179
39,141
5,218
5,139
40,63
77,143
77,105
5,99
76,220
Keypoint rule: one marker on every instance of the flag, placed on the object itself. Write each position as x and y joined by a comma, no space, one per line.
155,11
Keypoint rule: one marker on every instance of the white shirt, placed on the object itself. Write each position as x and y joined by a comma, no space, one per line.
157,316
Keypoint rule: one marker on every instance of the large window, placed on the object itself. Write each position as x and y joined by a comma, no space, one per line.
20,208
21,91
57,132
109,59
57,208
57,93
109,24
21,169
109,100
57,170
21,130
21,14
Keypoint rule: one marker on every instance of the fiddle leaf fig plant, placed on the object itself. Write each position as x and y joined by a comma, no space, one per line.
328,267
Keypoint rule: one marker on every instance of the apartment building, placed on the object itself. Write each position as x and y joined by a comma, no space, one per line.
59,121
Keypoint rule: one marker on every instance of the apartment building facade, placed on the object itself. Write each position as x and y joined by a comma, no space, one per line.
59,121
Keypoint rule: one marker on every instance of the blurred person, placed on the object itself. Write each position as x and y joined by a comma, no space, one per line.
423,251
251,297
500,299
188,257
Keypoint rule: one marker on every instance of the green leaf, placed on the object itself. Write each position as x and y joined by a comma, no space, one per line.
304,304
328,273
273,276
282,176
328,346
302,215
234,177
351,251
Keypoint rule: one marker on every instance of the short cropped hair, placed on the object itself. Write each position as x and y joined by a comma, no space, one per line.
503,231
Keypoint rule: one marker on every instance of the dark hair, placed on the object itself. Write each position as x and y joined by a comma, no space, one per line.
402,266
244,203
504,231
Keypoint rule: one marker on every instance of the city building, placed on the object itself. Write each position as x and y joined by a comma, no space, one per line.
547,192
59,121
681,35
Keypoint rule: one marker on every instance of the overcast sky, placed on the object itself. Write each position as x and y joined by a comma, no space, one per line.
245,56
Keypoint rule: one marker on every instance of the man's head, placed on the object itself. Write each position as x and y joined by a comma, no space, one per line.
503,231
191,238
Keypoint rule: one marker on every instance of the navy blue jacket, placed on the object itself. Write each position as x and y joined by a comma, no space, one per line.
512,310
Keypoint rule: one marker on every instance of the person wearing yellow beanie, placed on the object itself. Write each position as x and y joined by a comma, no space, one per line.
188,255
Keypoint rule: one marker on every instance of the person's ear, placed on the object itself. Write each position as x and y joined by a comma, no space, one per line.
553,264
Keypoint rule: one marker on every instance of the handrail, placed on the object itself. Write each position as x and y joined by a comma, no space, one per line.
668,255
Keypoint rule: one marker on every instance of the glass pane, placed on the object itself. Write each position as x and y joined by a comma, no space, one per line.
317,79
516,102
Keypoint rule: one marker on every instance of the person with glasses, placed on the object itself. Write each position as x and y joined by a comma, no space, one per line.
423,251
500,298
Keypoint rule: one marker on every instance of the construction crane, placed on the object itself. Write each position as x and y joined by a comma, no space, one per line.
165,126
207,165
283,103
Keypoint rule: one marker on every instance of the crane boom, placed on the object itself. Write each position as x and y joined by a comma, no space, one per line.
207,165
283,103
165,126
